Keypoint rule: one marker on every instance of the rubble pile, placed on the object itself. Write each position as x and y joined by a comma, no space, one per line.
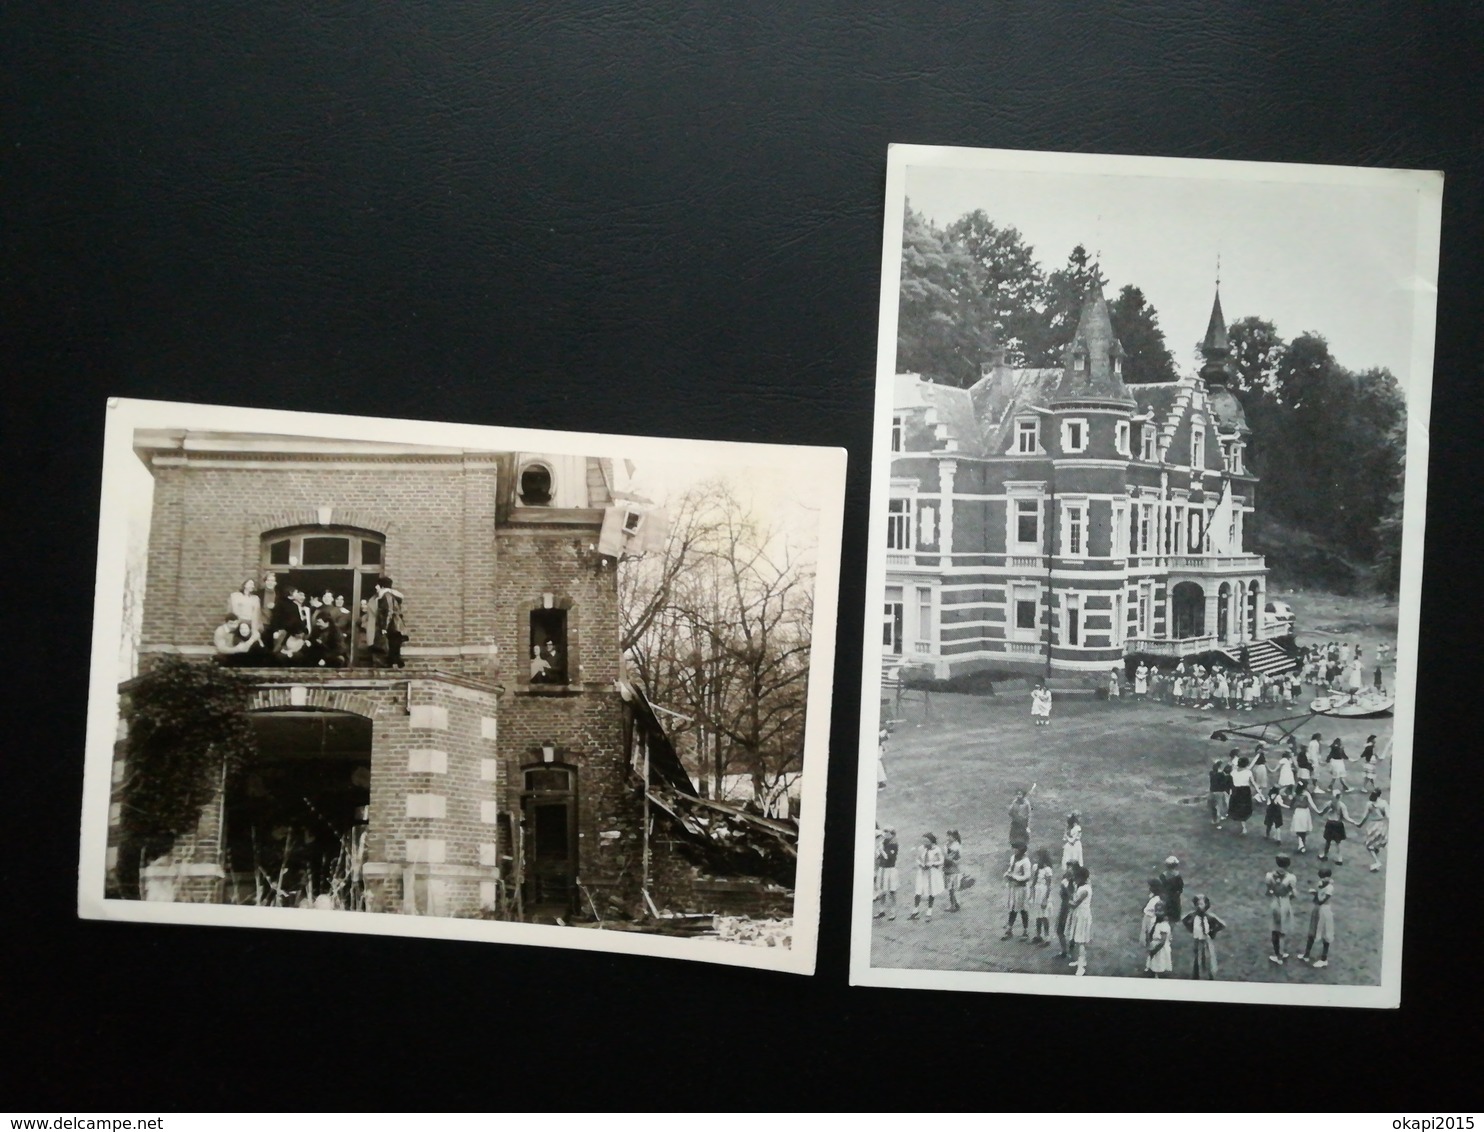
755,933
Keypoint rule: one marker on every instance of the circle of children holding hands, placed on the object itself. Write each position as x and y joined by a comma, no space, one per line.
1060,904
294,630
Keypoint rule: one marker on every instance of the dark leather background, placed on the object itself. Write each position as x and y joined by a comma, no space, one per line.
653,218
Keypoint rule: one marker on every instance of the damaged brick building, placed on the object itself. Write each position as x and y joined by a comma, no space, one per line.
502,765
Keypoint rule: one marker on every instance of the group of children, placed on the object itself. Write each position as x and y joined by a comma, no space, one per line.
1286,787
1208,688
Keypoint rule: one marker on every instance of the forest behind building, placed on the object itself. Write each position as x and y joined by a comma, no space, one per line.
1328,443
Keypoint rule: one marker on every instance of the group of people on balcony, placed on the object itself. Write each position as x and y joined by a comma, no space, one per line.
1197,686
301,631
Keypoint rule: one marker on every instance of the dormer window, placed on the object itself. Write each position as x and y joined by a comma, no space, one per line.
1197,447
1146,443
1080,360
1074,435
535,485
1027,435
1117,366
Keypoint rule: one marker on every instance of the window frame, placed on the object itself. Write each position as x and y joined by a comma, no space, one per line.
898,433
1084,429
1017,597
1121,433
1027,426
899,524
551,484
364,573
1197,447
1148,447
1074,520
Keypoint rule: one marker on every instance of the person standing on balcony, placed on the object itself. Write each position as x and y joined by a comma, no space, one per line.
245,605
386,649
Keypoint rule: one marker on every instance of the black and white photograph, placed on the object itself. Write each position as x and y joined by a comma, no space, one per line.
458,681
1144,572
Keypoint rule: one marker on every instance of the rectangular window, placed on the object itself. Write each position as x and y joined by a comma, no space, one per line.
1146,520
1025,610
1073,613
896,434
1074,540
370,553
278,553
1120,438
1028,522
549,646
1146,610
1073,436
1027,435
1117,530
899,525
924,615
1146,444
1198,448
891,627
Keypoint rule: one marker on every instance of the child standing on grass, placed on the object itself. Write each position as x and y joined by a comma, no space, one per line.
1157,944
1071,841
1066,890
1017,883
1216,798
1368,764
1280,885
1203,926
1303,818
1223,689
953,853
886,872
1079,918
1286,780
1172,887
1042,886
929,881
1335,819
1338,766
1041,705
1321,920
1376,837
1177,688
1154,901
1260,772
1273,819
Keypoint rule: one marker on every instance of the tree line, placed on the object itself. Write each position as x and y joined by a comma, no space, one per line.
1329,444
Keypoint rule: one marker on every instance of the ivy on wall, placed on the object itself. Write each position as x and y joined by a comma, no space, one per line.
187,730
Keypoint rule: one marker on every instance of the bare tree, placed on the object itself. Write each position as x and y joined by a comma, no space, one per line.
718,629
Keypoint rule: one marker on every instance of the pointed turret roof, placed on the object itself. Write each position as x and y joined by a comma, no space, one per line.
1092,363
1216,347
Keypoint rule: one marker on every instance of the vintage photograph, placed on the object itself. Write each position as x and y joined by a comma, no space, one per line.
479,683
1148,496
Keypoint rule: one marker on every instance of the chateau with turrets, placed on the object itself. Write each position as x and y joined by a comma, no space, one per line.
1058,520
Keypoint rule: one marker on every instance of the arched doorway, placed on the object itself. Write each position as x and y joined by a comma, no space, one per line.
296,819
1188,607
1253,605
1224,613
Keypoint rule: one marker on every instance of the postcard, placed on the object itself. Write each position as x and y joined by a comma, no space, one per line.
1147,513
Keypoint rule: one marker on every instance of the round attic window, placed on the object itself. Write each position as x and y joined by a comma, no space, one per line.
535,485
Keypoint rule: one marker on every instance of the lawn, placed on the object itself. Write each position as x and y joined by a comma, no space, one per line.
1137,774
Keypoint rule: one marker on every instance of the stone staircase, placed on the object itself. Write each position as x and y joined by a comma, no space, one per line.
1265,658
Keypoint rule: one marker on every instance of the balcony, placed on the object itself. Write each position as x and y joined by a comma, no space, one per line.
1169,648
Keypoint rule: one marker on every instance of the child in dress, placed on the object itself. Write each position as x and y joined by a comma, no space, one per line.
1042,886
1375,837
1280,886
1303,818
1336,817
1154,902
1157,944
1286,779
1338,766
1203,925
1041,705
1017,885
1273,818
1071,841
1321,920
1368,764
1177,689
929,880
1260,772
953,853
1079,918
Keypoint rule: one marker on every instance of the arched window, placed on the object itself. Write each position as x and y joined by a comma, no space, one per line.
343,562
535,485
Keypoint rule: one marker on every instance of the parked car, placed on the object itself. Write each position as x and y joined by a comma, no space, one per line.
1278,617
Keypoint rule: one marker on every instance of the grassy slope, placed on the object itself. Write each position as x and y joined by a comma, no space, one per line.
1137,773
